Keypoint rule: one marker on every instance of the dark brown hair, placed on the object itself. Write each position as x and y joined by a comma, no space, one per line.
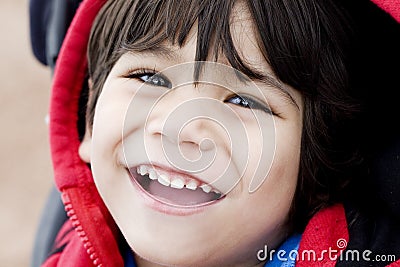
306,42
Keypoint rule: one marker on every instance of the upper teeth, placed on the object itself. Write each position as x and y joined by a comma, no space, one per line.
176,182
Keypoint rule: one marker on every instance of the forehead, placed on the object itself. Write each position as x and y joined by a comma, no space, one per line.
242,36
220,29
246,38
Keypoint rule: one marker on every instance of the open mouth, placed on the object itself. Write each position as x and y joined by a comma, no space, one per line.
174,188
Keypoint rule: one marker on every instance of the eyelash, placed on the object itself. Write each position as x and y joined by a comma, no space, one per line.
249,103
240,100
153,77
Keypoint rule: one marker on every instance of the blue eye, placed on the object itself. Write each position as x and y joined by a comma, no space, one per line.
249,103
156,80
152,78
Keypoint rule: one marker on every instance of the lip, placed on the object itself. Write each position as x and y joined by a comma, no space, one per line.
167,208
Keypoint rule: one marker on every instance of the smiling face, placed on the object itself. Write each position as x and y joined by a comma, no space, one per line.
196,172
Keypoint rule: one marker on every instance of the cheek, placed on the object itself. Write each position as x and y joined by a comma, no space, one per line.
277,170
111,116
107,135
283,174
279,175
266,209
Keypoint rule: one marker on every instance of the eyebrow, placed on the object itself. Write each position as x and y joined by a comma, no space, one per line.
266,78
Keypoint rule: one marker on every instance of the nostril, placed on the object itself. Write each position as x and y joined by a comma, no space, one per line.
207,144
190,151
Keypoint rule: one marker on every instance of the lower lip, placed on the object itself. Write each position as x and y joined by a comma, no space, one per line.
166,208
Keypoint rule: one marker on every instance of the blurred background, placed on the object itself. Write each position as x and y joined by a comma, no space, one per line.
26,172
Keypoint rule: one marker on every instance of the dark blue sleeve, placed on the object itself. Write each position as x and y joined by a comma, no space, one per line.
285,255
129,260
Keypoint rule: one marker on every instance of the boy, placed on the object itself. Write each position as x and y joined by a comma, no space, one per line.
215,133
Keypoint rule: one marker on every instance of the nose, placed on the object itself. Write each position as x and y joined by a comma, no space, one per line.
185,123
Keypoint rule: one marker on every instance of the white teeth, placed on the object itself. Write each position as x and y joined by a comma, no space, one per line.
162,179
142,170
192,185
206,188
177,183
153,175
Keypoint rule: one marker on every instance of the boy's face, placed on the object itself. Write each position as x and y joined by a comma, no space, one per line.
192,173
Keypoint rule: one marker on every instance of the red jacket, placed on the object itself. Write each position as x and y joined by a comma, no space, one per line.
94,240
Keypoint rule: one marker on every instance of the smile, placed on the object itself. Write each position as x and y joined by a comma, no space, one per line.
173,188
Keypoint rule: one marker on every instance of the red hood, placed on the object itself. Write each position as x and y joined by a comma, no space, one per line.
73,177
390,6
